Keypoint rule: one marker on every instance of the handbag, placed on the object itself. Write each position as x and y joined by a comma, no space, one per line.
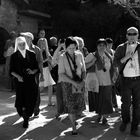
75,76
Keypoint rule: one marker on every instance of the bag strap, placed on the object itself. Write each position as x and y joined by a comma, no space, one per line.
138,45
73,61
70,64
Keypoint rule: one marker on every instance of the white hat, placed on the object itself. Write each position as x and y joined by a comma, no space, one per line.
28,34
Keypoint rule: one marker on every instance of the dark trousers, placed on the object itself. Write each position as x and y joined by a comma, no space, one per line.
131,96
59,98
36,109
114,98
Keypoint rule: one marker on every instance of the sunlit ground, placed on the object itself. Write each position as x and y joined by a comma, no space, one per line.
46,127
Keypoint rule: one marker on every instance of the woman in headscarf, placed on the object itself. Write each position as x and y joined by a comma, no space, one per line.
24,67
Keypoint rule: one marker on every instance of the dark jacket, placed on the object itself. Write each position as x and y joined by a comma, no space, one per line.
120,53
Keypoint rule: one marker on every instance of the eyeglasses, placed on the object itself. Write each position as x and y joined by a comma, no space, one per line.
131,34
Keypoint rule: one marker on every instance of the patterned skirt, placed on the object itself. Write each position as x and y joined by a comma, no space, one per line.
73,102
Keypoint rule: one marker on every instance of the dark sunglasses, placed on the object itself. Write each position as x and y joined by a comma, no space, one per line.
131,34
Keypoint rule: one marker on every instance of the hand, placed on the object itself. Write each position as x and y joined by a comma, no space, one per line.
129,55
82,84
60,45
41,78
20,79
29,71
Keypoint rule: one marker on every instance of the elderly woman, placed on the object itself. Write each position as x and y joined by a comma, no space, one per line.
99,64
24,67
72,73
48,80
81,45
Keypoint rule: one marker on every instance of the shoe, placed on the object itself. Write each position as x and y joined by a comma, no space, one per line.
50,104
123,127
74,133
104,121
36,112
25,124
76,123
135,133
117,109
57,115
99,119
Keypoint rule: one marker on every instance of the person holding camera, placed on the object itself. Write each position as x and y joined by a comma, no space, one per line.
59,93
72,73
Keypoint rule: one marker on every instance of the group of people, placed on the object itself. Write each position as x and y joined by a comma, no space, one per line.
78,73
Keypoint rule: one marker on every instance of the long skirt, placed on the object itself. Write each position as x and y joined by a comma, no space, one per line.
26,97
92,101
73,102
105,100
59,98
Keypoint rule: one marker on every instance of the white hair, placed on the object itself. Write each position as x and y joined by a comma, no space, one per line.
78,40
18,40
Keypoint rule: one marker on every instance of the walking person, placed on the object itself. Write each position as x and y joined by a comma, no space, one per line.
111,52
127,59
8,51
29,38
72,73
102,62
59,92
24,67
47,60
92,83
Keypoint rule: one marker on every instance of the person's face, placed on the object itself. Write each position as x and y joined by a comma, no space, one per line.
21,46
53,41
71,49
42,45
42,34
28,40
132,36
101,47
109,45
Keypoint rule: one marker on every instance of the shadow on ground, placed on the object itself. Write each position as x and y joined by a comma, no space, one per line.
46,127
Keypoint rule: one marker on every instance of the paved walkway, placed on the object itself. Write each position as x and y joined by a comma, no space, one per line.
46,127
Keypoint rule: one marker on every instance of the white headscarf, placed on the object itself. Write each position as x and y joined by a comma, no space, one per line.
19,40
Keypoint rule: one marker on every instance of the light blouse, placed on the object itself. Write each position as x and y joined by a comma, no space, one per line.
64,68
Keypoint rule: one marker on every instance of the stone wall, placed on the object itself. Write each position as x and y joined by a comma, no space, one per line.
8,15
11,20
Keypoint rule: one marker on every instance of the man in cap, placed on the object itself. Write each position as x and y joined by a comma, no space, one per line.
29,38
127,59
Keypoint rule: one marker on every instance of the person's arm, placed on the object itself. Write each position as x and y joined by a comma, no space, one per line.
83,68
19,78
89,60
57,54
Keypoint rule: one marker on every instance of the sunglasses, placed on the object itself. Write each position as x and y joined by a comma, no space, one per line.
131,34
